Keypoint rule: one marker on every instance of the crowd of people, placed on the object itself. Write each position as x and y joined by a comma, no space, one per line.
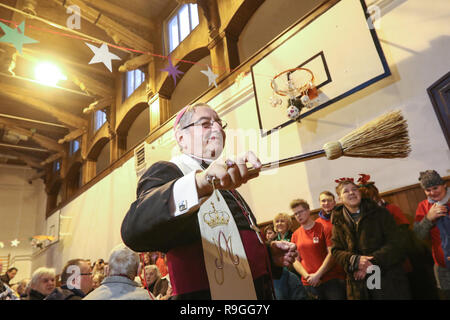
126,276
349,244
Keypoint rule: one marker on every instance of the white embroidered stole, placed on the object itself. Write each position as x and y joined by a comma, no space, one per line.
226,263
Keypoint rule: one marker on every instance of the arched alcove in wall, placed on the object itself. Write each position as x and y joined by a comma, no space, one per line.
135,125
139,129
193,84
103,158
196,63
257,32
73,178
54,194
100,153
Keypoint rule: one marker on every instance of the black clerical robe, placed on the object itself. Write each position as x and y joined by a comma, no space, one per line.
150,226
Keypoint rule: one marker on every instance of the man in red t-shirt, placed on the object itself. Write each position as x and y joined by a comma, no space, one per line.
432,219
315,263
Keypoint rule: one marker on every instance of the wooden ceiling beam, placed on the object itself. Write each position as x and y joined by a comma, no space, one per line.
99,104
122,13
89,85
135,62
52,158
21,96
72,135
120,34
37,175
29,160
43,141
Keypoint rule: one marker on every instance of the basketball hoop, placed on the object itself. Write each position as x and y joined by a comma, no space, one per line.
298,86
293,88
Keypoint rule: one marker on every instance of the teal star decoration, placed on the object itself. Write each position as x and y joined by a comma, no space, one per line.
16,36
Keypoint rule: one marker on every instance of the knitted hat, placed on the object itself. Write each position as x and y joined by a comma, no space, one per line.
430,178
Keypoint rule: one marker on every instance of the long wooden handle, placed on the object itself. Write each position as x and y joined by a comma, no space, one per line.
292,160
288,161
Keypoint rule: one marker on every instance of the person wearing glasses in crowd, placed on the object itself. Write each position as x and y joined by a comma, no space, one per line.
315,264
76,281
189,209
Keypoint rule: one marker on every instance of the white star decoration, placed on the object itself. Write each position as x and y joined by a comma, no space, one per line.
211,76
15,243
102,54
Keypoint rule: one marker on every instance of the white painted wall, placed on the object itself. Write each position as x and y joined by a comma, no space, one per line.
20,204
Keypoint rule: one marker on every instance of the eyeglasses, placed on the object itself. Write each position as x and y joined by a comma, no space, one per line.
86,274
299,212
207,124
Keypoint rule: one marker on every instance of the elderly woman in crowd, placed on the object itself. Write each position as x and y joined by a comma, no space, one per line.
282,223
42,283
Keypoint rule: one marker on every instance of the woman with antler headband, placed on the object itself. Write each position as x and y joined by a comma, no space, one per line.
366,240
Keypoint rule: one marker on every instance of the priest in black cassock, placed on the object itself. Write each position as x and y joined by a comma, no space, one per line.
189,208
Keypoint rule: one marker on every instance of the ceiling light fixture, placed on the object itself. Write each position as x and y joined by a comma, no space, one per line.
48,73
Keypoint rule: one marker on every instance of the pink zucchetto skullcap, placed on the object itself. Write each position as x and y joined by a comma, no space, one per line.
180,115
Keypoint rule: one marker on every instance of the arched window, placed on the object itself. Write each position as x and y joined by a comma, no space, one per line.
181,24
133,79
74,146
99,119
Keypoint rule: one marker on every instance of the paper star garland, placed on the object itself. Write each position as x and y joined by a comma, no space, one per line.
173,71
16,36
102,54
211,76
15,243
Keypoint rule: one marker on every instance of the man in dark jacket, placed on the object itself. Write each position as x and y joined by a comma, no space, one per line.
76,281
365,239
182,211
